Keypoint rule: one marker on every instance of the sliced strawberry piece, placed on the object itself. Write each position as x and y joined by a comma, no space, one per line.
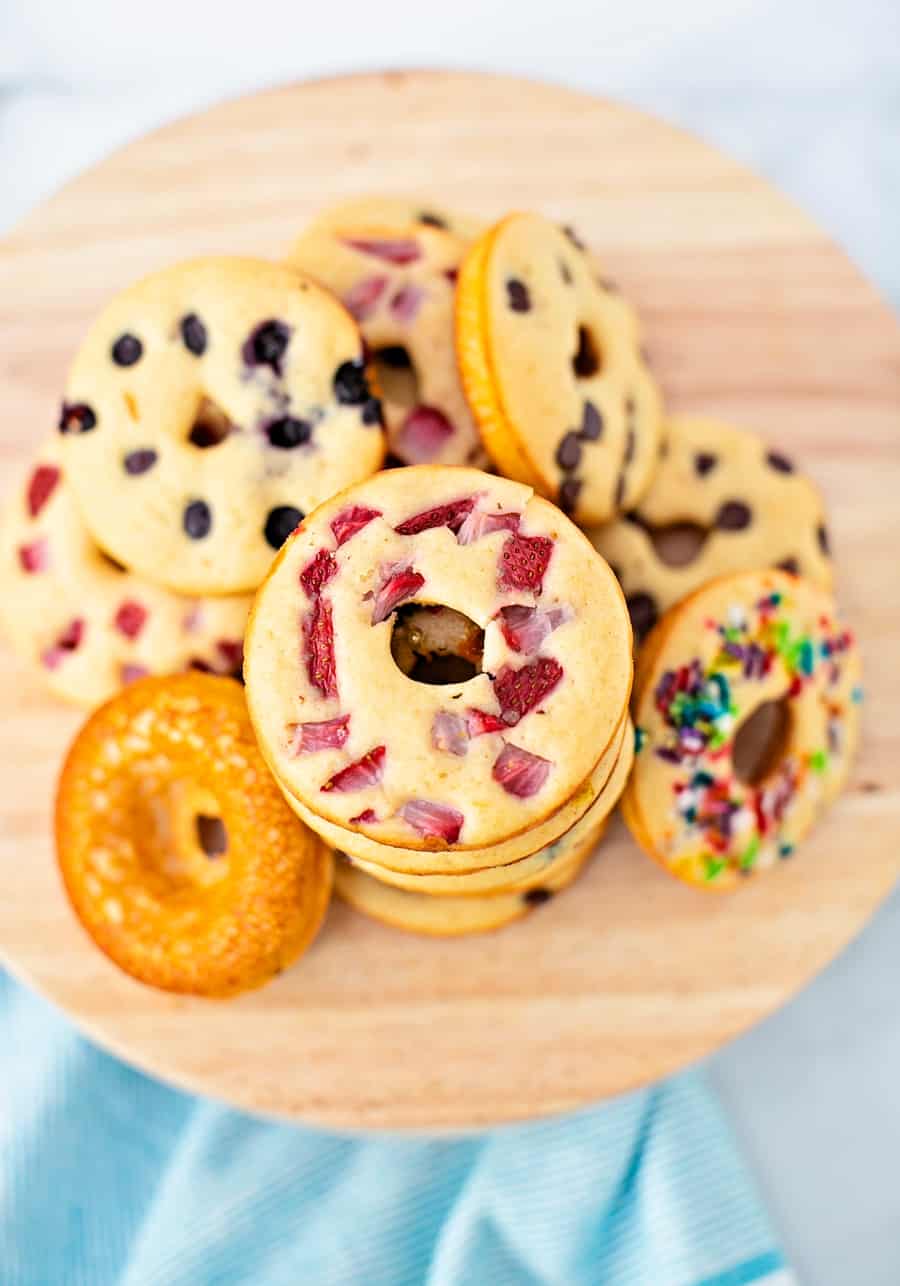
35,557
67,641
130,618
450,732
41,487
451,515
130,673
398,250
318,643
523,562
420,437
232,653
365,772
479,524
351,520
329,734
362,298
519,691
433,821
399,582
519,772
479,722
367,815
318,572
406,302
525,628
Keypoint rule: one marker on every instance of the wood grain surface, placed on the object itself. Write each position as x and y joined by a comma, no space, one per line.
751,313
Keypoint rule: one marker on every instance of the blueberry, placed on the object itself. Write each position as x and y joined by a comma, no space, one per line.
518,295
537,897
780,463
644,613
591,423
704,462
371,412
568,453
76,418
137,462
266,345
280,523
568,495
351,387
197,519
127,350
733,515
193,334
431,220
288,432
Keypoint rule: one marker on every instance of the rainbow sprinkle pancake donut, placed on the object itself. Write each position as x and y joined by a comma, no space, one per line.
177,850
89,625
210,407
760,644
437,769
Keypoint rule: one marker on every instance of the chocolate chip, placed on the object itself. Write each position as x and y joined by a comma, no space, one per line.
568,453
288,432
791,565
265,346
137,462
824,542
537,897
280,523
395,356
569,492
630,446
574,237
779,462
127,350
431,220
518,295
586,361
591,423
77,418
197,519
704,463
734,515
371,413
565,272
351,387
643,612
193,334
211,835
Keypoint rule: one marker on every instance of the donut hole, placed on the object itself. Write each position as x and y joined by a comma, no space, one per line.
436,645
587,358
396,375
761,742
211,425
180,836
678,543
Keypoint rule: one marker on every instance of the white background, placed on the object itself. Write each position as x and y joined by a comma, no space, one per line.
808,92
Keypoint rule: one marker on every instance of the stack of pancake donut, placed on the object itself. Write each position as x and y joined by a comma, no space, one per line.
435,453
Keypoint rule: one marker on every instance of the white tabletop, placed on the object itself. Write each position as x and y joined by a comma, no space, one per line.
805,91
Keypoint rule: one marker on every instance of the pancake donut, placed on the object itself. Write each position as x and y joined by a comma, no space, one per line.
437,769
738,496
399,282
553,371
88,625
758,641
210,407
150,786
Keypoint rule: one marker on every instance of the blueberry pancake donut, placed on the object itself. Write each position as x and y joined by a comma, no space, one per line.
454,916
85,622
393,211
528,871
448,767
747,712
553,372
728,491
399,282
211,406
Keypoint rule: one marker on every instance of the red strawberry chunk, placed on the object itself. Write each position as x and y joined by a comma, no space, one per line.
479,524
67,641
362,298
450,732
35,557
519,691
318,572
406,302
130,673
329,734
451,515
399,582
420,438
398,250
480,722
360,775
433,821
367,815
519,772
351,520
41,487
523,562
318,643
130,618
232,653
525,628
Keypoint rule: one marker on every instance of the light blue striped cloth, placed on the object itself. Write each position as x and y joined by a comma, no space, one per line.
108,1177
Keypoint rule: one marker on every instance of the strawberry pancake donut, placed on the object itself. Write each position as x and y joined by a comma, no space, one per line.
210,407
747,710
399,282
436,769
88,625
